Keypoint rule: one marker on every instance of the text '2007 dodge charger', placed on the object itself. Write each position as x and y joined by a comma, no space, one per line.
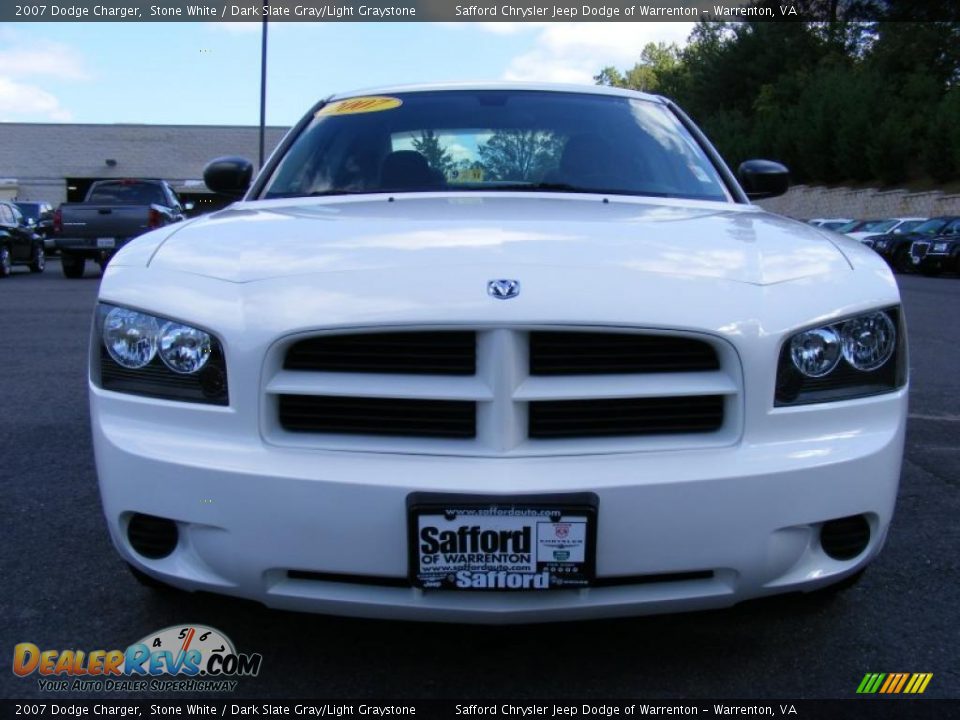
497,354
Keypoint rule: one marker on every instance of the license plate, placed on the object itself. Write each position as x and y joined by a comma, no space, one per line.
528,543
106,242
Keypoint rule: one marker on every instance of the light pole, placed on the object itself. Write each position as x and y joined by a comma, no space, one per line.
263,79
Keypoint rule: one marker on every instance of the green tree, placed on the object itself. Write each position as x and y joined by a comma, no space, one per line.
520,155
660,70
428,145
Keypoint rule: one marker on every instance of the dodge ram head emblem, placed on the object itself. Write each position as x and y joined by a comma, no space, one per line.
503,289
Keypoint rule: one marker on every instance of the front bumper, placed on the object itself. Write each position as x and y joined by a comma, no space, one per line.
931,261
325,531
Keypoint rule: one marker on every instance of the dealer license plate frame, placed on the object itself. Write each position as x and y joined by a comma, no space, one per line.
550,511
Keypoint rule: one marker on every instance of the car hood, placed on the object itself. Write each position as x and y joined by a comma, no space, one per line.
426,233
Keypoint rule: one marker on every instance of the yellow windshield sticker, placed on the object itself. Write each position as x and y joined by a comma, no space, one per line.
355,105
465,175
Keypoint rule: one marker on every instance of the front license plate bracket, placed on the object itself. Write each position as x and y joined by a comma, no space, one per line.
506,543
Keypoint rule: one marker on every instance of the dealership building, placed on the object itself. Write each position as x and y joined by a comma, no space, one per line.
57,162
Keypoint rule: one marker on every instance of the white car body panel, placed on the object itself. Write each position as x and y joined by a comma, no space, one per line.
253,502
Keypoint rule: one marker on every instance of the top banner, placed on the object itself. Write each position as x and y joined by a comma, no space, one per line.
426,11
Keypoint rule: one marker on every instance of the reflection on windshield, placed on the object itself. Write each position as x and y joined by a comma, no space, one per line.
497,140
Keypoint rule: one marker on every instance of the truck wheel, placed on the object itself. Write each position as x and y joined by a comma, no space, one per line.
72,265
6,262
39,260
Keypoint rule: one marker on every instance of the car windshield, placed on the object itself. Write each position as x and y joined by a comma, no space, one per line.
877,226
30,210
908,226
849,226
493,140
836,226
931,227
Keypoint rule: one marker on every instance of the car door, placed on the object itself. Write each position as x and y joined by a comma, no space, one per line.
22,235
8,231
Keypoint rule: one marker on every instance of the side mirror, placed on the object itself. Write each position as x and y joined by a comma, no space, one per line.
30,222
763,178
229,176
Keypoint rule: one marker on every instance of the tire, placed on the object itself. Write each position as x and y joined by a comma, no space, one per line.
39,260
72,265
6,262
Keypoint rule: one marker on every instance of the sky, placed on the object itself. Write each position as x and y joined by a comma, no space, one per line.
209,73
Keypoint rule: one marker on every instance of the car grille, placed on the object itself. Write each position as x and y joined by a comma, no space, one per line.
411,353
919,250
378,416
568,353
630,416
503,391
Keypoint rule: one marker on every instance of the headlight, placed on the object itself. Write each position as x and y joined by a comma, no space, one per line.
881,244
130,337
939,247
868,341
184,349
815,352
856,357
142,354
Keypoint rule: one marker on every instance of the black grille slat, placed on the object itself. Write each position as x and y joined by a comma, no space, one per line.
409,353
595,353
625,417
378,416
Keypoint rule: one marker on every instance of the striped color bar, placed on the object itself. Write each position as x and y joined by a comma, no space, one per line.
894,683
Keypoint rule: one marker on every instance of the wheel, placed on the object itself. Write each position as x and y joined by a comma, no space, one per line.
148,581
72,265
6,262
39,260
902,262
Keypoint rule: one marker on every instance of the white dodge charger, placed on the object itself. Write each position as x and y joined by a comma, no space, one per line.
497,354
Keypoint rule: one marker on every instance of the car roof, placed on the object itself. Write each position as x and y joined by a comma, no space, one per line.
499,85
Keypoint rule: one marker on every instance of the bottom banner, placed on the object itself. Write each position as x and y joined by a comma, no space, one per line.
915,709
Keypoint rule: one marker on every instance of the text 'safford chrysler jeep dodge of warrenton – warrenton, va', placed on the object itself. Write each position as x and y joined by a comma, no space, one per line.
498,353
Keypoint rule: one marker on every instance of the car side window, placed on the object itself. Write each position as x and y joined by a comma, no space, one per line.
953,228
6,217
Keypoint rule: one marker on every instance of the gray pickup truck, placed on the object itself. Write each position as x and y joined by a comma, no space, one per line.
113,213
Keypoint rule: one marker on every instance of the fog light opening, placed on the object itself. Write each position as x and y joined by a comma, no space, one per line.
152,537
845,538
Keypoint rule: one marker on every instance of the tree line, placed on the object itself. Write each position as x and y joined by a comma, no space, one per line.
845,100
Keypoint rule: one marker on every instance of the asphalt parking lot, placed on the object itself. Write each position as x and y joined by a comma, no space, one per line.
64,587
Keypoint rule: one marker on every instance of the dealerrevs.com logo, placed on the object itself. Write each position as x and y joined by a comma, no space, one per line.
186,658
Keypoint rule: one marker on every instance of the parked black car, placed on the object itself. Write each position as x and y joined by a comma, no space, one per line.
895,248
19,244
40,215
940,254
